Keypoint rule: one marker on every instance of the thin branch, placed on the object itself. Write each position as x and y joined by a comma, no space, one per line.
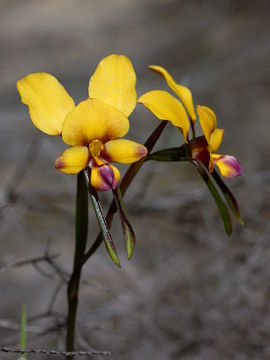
30,261
54,352
35,262
54,296
64,275
14,325
42,272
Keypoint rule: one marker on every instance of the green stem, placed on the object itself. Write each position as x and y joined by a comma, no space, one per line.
80,245
127,179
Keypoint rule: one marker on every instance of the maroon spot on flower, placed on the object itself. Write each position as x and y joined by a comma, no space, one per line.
109,181
199,150
203,156
59,164
142,151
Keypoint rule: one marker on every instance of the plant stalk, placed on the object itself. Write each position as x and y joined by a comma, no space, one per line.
80,256
81,230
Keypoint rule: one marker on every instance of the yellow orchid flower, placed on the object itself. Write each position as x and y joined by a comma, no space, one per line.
182,115
94,127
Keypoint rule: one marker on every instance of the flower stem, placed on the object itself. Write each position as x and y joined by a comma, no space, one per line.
81,229
127,179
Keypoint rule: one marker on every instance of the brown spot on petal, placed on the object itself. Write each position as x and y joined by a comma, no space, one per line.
59,164
142,151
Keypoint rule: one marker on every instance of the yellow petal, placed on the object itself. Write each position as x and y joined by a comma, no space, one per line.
105,177
207,120
228,165
91,120
73,160
165,107
181,91
124,151
114,82
48,101
216,139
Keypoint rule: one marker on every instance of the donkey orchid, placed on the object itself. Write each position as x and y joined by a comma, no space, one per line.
94,127
182,114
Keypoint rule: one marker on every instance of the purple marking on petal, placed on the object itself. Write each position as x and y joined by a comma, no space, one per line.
109,180
142,151
107,174
234,167
59,163
103,187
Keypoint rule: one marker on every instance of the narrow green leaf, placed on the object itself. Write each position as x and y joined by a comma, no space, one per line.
220,204
232,202
179,153
129,234
23,331
102,223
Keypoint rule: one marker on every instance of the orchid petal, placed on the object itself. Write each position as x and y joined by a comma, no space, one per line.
48,101
181,91
165,107
105,177
228,165
114,82
124,151
91,120
216,139
207,120
73,160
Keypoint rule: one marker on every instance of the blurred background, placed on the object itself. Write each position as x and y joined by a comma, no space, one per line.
190,291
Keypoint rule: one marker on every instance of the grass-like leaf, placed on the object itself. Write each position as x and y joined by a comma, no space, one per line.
104,228
220,203
129,234
179,153
232,202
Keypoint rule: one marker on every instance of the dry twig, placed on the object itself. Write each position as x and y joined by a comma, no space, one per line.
54,352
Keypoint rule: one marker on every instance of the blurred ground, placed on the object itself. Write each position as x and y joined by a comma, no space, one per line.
190,292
